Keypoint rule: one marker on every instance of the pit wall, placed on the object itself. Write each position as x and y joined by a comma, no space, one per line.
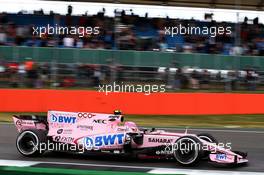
12,100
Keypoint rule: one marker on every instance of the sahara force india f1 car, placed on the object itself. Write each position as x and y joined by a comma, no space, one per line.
109,133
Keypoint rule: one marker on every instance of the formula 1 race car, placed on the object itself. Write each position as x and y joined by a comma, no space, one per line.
83,132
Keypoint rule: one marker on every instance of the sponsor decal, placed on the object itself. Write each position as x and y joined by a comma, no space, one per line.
160,140
19,123
23,122
85,127
104,140
221,156
122,129
64,131
85,115
67,131
63,139
113,117
59,131
99,121
63,119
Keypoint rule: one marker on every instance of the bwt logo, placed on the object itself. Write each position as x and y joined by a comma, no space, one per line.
221,156
63,119
103,140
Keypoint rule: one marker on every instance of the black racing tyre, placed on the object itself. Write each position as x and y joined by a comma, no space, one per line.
187,150
208,137
29,142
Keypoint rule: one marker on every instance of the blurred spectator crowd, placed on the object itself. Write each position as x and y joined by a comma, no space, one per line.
31,74
128,31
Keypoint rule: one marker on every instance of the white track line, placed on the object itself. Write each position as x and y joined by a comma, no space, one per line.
154,170
17,163
199,172
13,163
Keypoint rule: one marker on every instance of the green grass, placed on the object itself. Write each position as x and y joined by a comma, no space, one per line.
216,121
60,171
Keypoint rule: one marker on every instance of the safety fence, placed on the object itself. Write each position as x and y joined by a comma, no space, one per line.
130,58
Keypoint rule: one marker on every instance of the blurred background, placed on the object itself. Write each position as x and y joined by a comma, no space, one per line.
132,46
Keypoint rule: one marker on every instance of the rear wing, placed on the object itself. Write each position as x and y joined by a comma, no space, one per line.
23,122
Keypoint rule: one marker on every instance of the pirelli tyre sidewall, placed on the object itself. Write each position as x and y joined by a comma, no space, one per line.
187,150
28,142
208,137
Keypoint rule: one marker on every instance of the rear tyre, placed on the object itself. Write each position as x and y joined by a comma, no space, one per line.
187,150
29,142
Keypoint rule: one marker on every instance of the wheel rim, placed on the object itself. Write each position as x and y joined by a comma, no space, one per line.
27,143
186,151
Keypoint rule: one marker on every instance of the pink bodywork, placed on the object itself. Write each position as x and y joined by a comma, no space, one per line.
22,125
108,132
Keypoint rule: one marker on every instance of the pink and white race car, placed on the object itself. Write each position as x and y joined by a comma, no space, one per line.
83,132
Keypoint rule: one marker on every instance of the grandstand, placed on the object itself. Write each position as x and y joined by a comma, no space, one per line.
224,4
133,48
133,33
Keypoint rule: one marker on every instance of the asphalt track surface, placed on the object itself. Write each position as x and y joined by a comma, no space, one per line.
250,141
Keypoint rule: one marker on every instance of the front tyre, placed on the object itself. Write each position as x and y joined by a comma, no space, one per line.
187,150
208,137
29,142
